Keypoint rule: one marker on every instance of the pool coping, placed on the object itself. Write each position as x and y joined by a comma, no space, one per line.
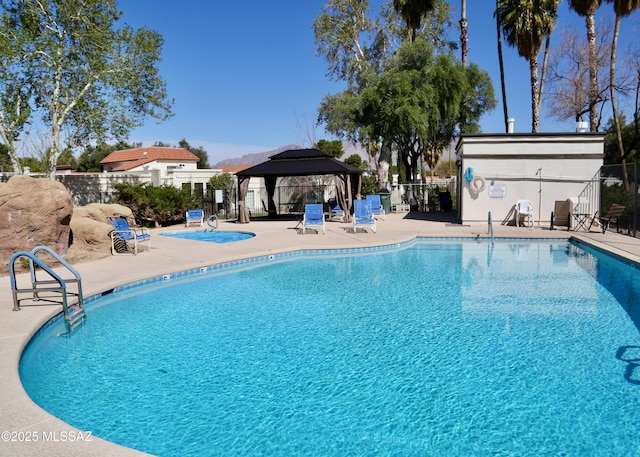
24,416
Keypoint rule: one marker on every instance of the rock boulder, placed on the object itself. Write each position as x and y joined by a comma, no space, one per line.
90,230
33,212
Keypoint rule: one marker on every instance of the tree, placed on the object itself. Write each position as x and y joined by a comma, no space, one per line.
90,158
464,38
418,101
569,76
357,48
5,159
503,87
222,181
339,31
525,25
446,168
89,79
32,164
622,9
66,157
413,11
587,9
15,92
413,106
355,161
333,148
199,151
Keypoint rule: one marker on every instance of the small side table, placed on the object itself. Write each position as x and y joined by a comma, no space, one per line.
581,221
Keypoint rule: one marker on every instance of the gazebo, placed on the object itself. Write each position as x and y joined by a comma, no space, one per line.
300,162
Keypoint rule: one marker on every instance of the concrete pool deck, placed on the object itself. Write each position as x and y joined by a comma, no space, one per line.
28,430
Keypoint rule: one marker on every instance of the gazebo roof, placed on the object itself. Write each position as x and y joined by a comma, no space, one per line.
300,162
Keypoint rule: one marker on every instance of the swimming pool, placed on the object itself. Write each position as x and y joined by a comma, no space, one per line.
433,348
213,236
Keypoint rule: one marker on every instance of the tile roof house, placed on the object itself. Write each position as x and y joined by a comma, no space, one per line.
151,158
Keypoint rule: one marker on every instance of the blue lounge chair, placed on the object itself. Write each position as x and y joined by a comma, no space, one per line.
376,205
124,239
194,216
335,210
363,216
313,217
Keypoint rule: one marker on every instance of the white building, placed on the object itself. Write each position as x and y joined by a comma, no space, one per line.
176,167
495,171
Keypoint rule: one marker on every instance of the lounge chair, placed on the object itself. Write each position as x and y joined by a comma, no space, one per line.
270,213
313,217
335,210
363,216
376,205
194,216
613,214
125,239
524,210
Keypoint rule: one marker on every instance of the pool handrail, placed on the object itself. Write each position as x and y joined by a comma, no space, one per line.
54,284
211,218
490,222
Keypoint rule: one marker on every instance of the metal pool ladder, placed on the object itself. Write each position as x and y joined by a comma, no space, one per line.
490,220
53,288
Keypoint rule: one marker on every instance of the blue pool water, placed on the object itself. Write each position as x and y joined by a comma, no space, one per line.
210,235
438,348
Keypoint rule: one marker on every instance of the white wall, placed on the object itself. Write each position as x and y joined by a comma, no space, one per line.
543,168
88,188
166,167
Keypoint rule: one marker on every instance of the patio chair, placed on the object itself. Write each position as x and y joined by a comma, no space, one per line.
335,210
125,239
194,216
363,216
376,205
313,217
613,214
524,210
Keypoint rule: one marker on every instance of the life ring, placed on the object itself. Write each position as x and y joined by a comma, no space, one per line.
468,175
477,184
210,221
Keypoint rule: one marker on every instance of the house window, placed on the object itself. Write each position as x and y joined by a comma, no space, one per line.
186,187
199,189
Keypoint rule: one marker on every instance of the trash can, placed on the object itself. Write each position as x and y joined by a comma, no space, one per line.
446,203
385,200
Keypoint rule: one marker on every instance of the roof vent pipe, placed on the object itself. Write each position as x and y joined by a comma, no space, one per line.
510,123
581,126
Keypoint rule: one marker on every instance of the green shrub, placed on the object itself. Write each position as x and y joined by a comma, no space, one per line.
156,205
369,185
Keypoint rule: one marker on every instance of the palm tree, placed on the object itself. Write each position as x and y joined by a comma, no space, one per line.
587,8
525,25
622,9
412,11
505,110
463,32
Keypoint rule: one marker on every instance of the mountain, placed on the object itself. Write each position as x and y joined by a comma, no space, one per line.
259,157
256,158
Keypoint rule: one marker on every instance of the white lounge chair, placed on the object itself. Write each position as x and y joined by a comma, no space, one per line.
524,210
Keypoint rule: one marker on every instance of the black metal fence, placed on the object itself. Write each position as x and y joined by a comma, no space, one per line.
618,184
287,199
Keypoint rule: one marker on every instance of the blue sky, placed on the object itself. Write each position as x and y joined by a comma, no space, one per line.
245,76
